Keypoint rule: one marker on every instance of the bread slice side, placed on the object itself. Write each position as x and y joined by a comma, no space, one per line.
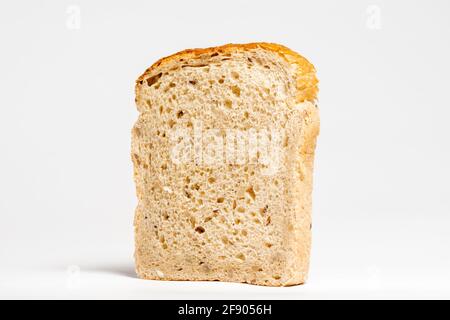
225,220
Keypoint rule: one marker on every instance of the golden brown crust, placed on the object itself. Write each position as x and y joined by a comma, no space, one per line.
306,80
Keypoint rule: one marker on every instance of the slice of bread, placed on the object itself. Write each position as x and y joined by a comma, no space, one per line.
223,157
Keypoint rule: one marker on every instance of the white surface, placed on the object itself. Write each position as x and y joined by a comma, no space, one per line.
381,199
364,264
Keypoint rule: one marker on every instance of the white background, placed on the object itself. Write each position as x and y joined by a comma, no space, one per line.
381,194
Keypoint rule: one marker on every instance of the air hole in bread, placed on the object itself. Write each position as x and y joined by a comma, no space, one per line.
194,66
137,159
263,211
228,104
192,221
152,80
241,256
195,186
211,179
137,131
220,200
236,91
200,229
251,193
171,123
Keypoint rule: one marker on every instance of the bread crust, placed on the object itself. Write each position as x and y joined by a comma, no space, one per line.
307,83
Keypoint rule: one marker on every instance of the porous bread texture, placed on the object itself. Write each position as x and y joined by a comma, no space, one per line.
226,221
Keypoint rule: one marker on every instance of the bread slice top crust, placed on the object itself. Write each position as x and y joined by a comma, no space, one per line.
306,82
